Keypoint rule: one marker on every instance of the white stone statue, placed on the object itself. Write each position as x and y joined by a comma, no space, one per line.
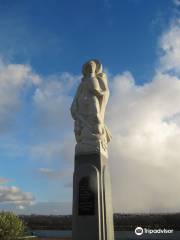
88,109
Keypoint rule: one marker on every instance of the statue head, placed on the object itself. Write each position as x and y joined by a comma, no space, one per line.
92,67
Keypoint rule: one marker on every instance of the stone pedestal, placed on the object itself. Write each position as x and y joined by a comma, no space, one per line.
92,204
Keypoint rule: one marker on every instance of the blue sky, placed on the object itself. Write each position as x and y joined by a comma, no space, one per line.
43,45
57,36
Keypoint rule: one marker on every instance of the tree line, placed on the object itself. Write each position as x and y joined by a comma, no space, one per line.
126,222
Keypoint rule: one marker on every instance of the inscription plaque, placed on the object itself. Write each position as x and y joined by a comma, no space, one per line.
86,198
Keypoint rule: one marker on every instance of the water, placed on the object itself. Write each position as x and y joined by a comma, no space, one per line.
119,235
52,233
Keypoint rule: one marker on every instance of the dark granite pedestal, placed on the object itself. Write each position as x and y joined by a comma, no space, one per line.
92,204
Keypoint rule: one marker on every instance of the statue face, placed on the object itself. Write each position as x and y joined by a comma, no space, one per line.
90,67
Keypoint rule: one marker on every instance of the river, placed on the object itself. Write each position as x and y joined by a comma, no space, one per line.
119,235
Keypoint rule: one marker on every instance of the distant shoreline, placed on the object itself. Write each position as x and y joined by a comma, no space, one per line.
126,222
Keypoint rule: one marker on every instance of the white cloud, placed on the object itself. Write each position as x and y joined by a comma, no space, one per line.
14,79
12,194
52,102
170,46
145,123
144,153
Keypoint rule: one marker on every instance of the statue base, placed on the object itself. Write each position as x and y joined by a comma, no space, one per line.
92,203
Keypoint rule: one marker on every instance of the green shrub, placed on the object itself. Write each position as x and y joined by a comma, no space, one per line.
11,227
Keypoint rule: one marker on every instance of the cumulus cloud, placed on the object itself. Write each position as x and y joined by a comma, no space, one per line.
52,100
12,194
14,79
170,46
144,120
144,154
